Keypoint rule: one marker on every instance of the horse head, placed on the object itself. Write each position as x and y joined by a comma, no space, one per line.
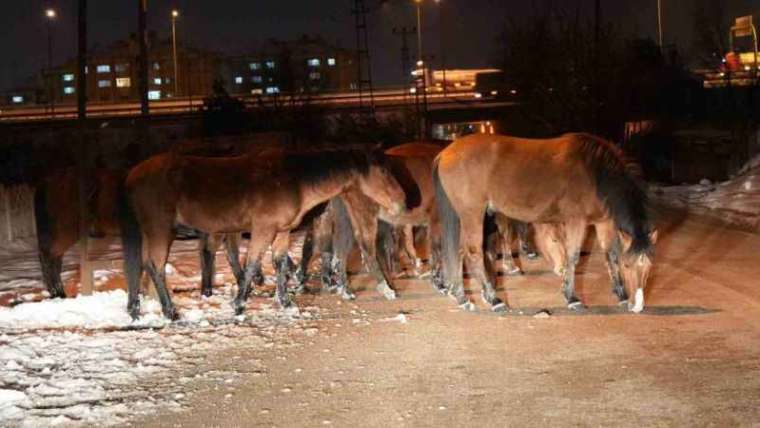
380,185
635,263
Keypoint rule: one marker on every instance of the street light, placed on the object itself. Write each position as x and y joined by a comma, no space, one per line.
50,14
175,15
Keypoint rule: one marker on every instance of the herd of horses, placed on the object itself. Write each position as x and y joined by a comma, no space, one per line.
468,198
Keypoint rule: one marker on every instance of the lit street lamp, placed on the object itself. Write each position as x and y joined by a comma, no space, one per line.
50,14
175,15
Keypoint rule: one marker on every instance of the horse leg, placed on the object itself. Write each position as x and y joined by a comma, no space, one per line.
411,251
232,251
505,227
282,265
302,271
256,246
51,273
208,244
610,243
523,234
574,235
472,241
157,245
549,240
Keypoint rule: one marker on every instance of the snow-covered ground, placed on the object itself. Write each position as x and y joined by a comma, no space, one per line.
83,362
736,201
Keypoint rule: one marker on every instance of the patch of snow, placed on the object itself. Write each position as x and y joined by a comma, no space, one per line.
100,310
401,318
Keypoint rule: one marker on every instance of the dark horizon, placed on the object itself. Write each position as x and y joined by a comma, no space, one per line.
237,26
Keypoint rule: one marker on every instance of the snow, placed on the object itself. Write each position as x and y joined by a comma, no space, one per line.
736,201
84,362
100,310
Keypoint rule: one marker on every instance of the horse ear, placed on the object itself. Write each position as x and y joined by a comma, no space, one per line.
653,236
625,239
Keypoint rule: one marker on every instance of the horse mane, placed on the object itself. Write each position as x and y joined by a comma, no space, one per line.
619,187
319,166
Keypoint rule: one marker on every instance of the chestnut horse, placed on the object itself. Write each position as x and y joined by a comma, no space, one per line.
372,226
56,215
264,194
574,180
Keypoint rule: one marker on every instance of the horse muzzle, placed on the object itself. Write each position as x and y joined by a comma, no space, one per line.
638,301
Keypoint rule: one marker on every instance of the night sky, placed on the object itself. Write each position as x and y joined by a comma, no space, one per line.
235,25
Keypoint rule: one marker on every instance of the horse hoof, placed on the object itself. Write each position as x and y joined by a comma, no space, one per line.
171,314
207,292
468,306
576,306
389,294
347,295
512,271
386,291
499,307
623,303
532,255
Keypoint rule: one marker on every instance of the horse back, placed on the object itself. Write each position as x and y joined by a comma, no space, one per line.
526,179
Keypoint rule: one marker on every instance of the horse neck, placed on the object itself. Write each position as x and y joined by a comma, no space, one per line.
314,194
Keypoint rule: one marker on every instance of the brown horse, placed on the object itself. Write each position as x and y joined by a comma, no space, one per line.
56,212
266,195
573,180
372,226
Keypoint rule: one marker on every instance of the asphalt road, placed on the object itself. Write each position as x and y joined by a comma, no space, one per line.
691,359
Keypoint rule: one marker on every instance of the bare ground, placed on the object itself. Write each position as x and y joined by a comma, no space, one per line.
693,357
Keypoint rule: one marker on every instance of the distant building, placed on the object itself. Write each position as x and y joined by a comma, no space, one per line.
306,65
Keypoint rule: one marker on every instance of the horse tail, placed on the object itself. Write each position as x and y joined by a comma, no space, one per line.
449,229
131,241
49,262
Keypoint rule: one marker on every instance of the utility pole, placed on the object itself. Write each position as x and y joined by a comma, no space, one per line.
84,172
442,34
364,73
595,72
142,61
659,22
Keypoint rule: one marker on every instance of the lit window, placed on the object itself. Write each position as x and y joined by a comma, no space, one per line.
256,91
68,77
104,68
331,62
238,80
157,80
273,90
120,68
270,64
18,99
156,66
254,65
154,95
167,80
104,83
313,62
86,69
123,82
68,90
256,79
314,75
